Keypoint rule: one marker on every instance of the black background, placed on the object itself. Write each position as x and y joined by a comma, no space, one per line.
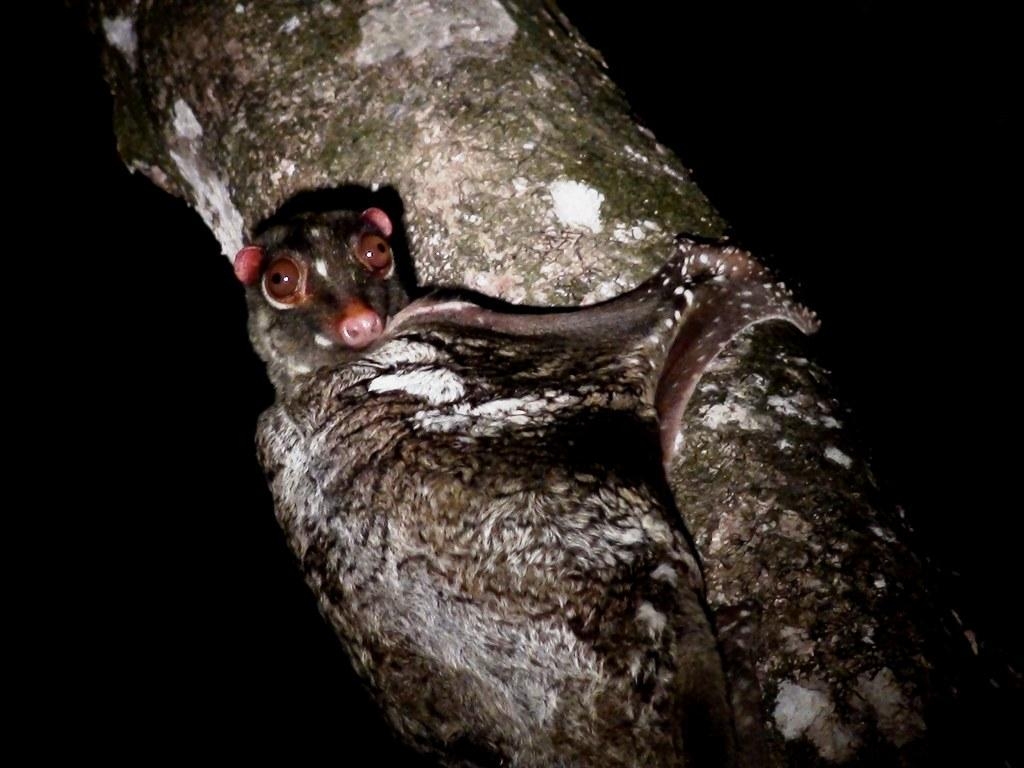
865,146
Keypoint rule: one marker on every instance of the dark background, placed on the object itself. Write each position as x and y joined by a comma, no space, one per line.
866,147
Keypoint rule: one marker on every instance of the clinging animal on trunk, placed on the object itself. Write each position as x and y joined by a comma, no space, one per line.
477,494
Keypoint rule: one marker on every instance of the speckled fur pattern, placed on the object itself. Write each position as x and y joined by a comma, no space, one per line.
479,503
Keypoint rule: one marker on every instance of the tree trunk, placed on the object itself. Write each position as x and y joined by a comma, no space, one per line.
524,175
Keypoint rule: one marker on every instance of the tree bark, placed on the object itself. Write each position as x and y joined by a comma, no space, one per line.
524,175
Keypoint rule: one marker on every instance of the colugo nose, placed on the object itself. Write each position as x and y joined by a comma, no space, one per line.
358,325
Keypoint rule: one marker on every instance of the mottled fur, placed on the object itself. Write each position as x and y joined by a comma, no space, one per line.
479,502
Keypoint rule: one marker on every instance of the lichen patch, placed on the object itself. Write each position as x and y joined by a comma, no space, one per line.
290,25
720,414
505,285
836,456
186,124
393,28
898,720
806,712
576,204
212,200
120,34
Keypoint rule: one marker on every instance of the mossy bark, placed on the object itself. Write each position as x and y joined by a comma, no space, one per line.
484,116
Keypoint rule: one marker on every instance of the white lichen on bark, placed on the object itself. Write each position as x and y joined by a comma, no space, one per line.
211,195
806,711
408,27
120,34
524,175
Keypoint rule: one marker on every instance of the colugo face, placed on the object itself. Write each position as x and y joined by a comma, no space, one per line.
320,288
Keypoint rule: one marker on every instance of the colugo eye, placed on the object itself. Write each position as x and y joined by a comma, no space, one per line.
283,279
374,252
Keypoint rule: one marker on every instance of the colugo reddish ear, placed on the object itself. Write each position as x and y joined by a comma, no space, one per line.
248,263
377,218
